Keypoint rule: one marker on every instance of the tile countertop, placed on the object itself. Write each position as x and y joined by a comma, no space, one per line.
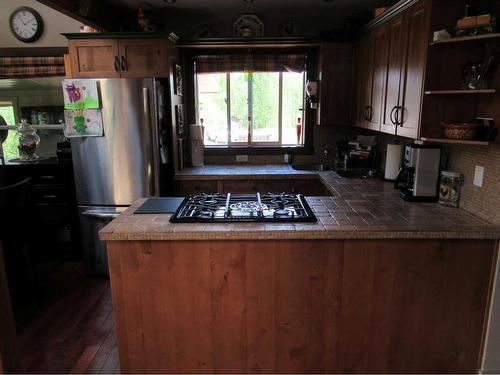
238,172
356,209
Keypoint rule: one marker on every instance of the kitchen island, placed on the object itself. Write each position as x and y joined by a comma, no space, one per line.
376,285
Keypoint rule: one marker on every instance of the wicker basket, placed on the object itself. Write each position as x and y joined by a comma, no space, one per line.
460,131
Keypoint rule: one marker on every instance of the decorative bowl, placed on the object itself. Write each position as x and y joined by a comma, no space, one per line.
460,131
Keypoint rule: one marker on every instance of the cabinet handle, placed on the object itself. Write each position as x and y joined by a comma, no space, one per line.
368,113
396,115
392,114
123,63
117,68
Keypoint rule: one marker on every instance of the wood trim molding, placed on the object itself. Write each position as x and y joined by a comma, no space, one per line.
174,38
388,14
35,51
249,42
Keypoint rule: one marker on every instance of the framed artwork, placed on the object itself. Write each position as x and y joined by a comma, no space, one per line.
81,94
179,118
83,123
178,81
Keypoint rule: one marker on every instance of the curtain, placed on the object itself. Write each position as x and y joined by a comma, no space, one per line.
31,67
250,62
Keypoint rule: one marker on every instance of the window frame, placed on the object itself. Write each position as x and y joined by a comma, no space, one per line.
311,73
252,143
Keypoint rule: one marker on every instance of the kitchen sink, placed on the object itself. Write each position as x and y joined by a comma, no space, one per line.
311,167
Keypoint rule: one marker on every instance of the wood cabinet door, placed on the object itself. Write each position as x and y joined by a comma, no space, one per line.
379,45
94,58
365,77
395,49
359,90
416,21
141,58
372,61
336,82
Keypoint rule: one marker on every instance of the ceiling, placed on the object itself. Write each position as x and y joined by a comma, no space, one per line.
312,16
259,6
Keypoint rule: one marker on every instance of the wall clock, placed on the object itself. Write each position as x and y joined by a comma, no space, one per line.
26,24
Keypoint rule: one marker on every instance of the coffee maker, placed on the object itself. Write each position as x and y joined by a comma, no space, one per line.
418,178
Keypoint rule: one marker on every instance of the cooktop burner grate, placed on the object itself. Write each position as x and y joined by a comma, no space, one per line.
244,207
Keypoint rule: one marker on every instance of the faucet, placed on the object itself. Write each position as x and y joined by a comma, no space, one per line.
326,155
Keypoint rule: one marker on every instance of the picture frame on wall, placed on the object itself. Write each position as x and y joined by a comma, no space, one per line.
179,118
178,80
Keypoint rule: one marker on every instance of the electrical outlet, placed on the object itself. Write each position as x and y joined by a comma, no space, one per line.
242,158
478,176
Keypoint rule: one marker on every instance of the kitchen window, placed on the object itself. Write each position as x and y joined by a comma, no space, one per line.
7,111
250,104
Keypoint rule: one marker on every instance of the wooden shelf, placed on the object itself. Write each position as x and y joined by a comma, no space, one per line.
466,39
455,141
459,92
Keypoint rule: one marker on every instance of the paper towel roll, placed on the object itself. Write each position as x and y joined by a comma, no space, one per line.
196,132
393,161
197,149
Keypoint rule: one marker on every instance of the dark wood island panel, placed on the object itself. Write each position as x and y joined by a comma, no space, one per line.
301,305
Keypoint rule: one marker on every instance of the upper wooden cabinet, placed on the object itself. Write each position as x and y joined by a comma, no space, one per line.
372,56
111,58
335,74
416,21
390,73
391,96
94,58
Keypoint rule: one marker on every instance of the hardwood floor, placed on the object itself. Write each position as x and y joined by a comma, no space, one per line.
75,330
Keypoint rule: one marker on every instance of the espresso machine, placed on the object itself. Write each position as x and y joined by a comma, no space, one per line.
419,177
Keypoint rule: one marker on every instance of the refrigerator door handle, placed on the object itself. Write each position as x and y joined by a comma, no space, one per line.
100,214
152,172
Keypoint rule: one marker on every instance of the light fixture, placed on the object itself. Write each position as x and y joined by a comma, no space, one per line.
169,1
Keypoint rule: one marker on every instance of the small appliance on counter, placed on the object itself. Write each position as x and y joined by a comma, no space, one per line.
357,158
449,188
393,159
418,178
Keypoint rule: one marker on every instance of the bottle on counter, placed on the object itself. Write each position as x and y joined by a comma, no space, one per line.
449,188
249,137
299,129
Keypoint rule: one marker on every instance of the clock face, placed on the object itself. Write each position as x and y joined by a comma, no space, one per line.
26,24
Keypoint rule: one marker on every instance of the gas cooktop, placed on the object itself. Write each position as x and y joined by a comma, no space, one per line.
243,207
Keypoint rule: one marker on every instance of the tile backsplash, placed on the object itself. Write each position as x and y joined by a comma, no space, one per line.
482,201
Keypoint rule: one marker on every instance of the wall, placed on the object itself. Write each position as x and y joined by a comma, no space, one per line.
483,202
55,23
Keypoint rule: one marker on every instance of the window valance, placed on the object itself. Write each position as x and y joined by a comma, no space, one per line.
250,62
31,66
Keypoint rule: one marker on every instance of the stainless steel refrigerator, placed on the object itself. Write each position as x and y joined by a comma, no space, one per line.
114,170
